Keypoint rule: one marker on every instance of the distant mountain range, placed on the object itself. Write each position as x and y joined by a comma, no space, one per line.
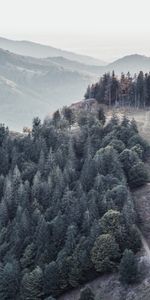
33,86
132,63
28,48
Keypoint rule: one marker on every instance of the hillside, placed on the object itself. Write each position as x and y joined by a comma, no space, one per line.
66,209
124,91
133,63
130,63
75,65
109,287
31,86
38,86
28,48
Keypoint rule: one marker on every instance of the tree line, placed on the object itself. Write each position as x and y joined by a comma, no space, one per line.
66,211
124,90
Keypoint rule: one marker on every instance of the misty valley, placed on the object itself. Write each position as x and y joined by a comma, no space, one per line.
74,175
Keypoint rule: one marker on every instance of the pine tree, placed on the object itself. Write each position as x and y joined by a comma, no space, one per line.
9,281
101,116
51,279
36,128
56,117
36,185
104,253
128,268
68,115
32,285
71,237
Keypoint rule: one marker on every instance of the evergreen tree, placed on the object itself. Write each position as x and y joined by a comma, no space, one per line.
128,268
138,175
9,281
68,115
36,127
32,285
56,117
104,253
51,279
66,211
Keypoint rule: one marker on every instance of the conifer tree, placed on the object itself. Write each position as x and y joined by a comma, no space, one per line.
128,268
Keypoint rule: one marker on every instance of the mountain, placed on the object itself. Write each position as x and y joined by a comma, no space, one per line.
29,48
132,63
77,66
67,215
32,86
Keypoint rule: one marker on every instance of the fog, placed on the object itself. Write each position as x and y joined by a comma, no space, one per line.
104,29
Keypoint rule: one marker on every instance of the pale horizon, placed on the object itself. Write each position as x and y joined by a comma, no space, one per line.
106,30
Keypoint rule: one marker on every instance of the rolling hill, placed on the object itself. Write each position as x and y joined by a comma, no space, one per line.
28,48
31,87
132,63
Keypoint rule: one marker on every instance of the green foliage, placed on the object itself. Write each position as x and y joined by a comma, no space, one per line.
66,211
126,90
128,268
9,281
101,116
110,222
137,140
107,162
82,118
138,175
135,169
56,117
68,115
117,196
104,253
36,127
51,279
28,256
32,285
118,145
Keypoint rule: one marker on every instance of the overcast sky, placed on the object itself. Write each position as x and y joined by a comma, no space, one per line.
107,29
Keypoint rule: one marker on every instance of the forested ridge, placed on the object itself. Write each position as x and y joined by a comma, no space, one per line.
124,90
66,211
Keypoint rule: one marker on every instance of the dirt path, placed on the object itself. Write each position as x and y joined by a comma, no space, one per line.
142,196
145,244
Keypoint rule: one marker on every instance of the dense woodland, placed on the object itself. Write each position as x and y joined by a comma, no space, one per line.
66,212
124,90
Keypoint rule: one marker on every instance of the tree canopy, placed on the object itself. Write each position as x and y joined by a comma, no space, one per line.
123,90
66,212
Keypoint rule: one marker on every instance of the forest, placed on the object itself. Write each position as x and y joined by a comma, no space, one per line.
125,90
66,211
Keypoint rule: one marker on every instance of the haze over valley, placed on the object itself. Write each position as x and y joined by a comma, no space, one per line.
30,85
74,150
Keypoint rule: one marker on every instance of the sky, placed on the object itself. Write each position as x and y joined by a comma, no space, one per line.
106,29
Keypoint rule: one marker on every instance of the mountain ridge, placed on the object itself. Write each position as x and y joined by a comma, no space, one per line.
31,86
34,49
132,63
35,87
